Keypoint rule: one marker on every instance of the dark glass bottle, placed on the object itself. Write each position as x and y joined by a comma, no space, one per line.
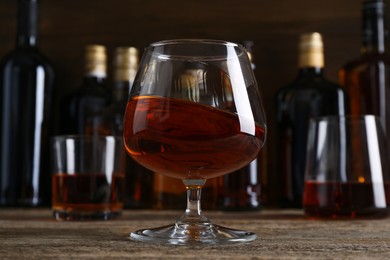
367,79
91,98
109,120
138,179
242,189
310,95
26,84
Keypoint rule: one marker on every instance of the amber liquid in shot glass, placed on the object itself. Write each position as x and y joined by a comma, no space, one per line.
88,180
88,194
347,171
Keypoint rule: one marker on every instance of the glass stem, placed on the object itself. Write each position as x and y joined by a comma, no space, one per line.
193,213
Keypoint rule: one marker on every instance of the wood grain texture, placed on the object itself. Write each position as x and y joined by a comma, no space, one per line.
66,26
33,234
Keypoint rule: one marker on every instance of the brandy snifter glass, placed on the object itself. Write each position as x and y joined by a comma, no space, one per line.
194,112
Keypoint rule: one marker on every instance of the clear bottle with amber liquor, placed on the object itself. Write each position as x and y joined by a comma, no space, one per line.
367,79
310,95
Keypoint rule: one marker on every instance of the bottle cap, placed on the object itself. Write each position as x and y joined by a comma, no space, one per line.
95,60
374,28
125,63
311,50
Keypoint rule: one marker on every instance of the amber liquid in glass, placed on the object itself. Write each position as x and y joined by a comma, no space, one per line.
87,193
346,199
183,139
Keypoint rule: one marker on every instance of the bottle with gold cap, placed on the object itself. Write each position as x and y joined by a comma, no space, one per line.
138,179
310,95
125,67
92,97
109,121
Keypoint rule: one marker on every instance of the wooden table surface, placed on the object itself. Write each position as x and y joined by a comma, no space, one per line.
33,234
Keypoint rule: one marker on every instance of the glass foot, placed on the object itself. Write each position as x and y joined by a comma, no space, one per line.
192,234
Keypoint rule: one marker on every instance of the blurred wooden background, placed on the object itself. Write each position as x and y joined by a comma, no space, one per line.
274,26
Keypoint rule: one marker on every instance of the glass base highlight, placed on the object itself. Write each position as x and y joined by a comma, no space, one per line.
185,234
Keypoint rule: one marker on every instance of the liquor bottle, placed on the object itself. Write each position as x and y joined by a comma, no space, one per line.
109,120
91,98
26,83
242,189
310,95
366,79
138,179
125,68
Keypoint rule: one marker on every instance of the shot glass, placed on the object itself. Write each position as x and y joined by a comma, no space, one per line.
88,177
347,172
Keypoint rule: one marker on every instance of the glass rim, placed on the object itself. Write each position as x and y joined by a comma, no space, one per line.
196,41
156,50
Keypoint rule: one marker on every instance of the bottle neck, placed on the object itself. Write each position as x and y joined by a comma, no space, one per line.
374,31
125,69
121,91
27,23
98,75
124,74
93,80
311,71
123,80
96,67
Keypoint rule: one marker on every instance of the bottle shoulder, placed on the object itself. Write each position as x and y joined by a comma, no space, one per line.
94,85
316,98
311,85
26,57
79,99
89,91
367,61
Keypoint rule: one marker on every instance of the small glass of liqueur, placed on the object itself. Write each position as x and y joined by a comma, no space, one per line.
347,174
88,177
